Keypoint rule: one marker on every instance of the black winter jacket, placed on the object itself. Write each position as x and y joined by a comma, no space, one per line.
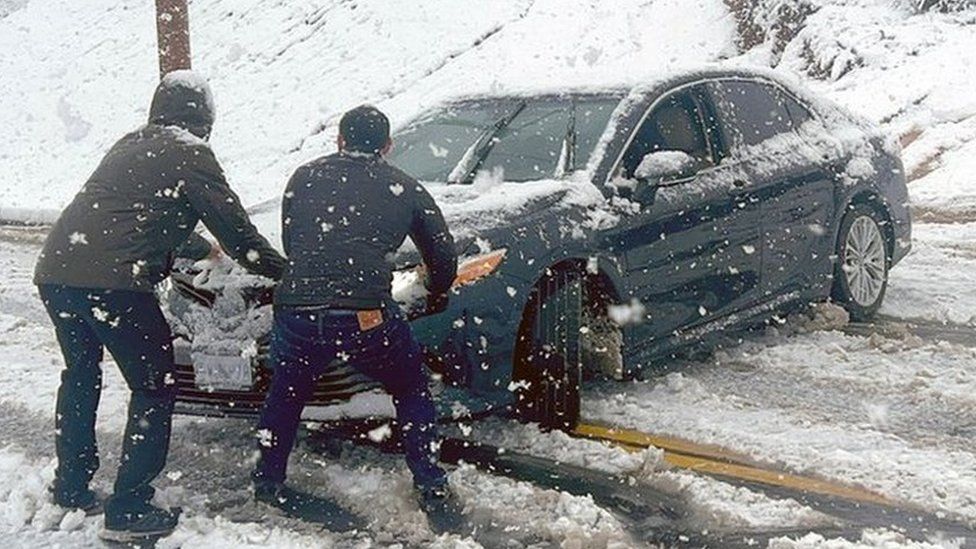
343,218
144,200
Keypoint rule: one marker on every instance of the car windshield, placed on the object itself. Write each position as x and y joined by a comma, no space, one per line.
523,139
430,149
549,138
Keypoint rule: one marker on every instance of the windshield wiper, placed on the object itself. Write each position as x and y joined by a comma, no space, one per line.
475,155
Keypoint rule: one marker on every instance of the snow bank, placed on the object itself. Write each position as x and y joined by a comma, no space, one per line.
870,539
935,282
28,216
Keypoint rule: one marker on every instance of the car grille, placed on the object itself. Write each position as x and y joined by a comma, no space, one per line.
332,388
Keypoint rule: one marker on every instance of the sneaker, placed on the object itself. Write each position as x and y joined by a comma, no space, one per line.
86,500
445,514
152,523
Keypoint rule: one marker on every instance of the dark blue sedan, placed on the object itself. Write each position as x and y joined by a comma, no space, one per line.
603,232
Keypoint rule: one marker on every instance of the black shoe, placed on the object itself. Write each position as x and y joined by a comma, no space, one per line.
269,492
86,500
151,523
445,514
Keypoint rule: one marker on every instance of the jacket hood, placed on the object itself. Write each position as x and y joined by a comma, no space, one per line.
183,99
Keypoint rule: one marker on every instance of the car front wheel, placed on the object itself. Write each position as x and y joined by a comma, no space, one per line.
548,361
863,259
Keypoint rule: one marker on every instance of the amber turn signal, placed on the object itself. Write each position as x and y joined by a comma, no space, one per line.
478,267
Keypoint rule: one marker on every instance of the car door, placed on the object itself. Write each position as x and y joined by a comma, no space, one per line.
691,251
763,125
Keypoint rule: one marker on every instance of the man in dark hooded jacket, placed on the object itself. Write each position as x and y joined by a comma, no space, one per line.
97,273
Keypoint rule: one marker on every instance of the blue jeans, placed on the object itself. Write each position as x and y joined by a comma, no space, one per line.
134,330
305,342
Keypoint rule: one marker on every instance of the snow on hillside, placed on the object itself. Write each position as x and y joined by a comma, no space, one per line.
283,73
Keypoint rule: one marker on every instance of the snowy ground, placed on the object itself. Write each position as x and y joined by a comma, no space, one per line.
893,414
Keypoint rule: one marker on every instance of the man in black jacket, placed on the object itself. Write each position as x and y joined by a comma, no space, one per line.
344,217
97,273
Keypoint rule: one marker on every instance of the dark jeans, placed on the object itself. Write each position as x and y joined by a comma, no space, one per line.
304,342
132,328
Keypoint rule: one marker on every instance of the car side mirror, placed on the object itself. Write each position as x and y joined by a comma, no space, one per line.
665,165
654,169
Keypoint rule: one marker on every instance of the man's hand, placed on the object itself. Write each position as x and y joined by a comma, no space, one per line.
436,303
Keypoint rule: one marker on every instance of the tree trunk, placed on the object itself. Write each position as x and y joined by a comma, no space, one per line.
173,35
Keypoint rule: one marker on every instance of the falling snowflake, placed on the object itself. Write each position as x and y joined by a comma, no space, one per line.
101,315
748,249
78,238
265,438
380,433
516,385
137,267
396,189
511,291
326,227
253,256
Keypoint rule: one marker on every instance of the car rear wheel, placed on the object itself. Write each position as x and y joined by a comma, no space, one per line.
548,354
863,259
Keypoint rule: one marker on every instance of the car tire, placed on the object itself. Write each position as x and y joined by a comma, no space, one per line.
863,261
548,354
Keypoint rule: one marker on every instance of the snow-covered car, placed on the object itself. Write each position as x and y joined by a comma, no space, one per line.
601,232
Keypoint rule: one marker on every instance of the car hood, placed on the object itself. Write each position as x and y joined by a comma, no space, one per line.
470,210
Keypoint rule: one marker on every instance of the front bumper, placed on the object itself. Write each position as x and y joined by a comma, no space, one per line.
191,399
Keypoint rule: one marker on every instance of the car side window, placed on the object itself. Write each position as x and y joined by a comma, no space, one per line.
675,124
799,114
757,112
531,146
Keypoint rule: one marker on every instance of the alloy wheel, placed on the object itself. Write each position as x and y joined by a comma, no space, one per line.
865,262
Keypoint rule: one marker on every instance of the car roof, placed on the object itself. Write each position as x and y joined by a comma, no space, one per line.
608,93
667,80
